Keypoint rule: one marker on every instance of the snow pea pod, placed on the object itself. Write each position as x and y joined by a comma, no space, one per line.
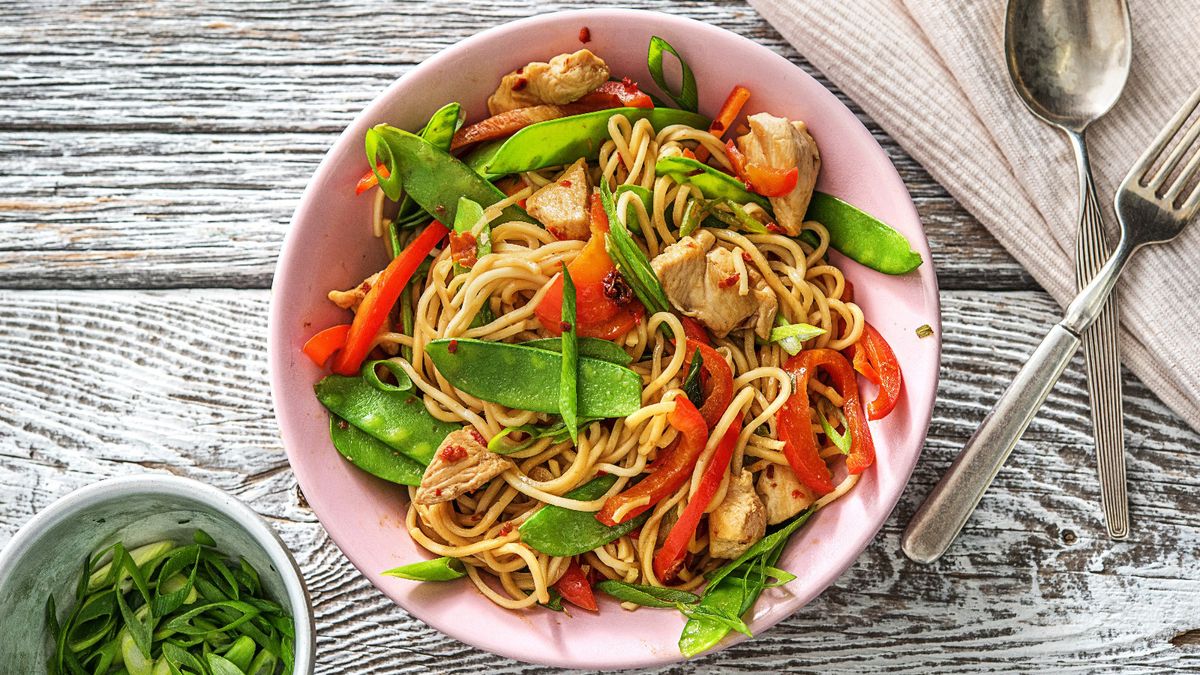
564,140
562,532
527,378
398,418
712,183
862,237
373,455
593,348
438,131
432,177
438,569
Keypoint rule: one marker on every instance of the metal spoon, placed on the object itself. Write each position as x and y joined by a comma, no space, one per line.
1068,60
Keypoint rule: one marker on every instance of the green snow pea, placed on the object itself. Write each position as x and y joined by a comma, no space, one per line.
398,418
646,595
438,569
561,532
593,348
431,176
479,158
731,595
712,183
527,378
564,140
439,132
373,455
862,237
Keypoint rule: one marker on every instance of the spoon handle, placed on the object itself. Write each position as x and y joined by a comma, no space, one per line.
1103,354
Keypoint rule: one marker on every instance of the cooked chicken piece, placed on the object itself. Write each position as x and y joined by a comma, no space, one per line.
781,144
782,493
562,206
461,464
565,78
352,298
702,281
738,521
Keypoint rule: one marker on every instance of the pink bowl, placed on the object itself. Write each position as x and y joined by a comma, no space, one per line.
330,246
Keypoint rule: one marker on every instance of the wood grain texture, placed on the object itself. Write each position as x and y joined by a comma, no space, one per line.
103,383
161,147
102,104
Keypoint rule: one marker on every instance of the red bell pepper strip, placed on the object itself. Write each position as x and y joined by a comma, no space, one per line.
575,587
626,92
322,345
883,361
719,389
795,430
370,180
694,330
670,557
378,303
668,472
725,117
858,357
596,314
764,180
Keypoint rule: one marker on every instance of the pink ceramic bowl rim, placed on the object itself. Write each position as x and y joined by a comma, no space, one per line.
885,196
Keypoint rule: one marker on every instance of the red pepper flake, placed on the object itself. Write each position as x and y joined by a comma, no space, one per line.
746,257
770,472
453,453
774,227
616,288
601,472
437,492
440,208
565,183
364,287
796,494
505,529
717,128
476,435
343,425
729,280
520,70
520,84
452,347
585,35
565,326
557,233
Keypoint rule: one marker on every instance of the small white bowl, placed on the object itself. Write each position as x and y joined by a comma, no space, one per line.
46,556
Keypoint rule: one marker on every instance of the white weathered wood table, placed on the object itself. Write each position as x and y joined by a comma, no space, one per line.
151,154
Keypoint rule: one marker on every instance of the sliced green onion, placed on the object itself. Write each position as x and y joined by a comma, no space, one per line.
691,383
645,595
688,96
630,260
843,440
792,336
568,383
438,569
371,375
693,213
924,330
556,601
732,214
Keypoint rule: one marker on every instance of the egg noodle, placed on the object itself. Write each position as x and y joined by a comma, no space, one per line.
480,528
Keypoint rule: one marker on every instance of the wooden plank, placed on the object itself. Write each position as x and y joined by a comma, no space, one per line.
102,383
166,146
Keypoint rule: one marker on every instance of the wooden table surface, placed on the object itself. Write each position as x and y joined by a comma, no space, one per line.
151,155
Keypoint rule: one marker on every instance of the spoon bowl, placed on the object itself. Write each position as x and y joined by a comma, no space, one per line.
1068,60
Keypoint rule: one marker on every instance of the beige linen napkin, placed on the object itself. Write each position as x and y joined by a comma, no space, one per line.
932,74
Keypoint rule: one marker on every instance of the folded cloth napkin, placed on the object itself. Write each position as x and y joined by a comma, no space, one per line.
933,75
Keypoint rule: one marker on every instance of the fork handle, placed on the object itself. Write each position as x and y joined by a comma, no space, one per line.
940,518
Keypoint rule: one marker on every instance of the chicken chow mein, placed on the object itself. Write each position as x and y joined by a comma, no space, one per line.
610,352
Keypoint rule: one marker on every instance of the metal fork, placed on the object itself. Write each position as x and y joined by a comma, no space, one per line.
1150,210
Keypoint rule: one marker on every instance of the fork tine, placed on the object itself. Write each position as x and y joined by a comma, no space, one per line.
1146,161
1187,174
1177,153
